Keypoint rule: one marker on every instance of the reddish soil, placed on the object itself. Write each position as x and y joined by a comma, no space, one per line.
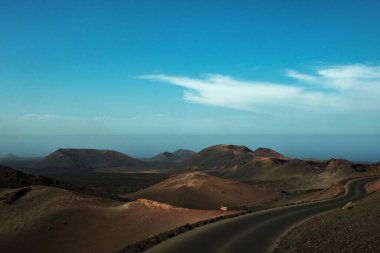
47,219
202,191
333,191
375,186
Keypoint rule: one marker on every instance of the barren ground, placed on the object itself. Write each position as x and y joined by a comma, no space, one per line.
353,230
201,191
48,219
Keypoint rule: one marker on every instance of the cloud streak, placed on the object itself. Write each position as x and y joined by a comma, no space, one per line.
225,91
32,116
341,77
43,117
338,88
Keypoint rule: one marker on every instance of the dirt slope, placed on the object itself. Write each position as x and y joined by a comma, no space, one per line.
374,186
47,219
202,191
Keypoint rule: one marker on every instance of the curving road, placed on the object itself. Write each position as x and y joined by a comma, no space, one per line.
256,232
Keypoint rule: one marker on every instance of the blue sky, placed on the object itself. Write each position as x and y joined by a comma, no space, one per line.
71,69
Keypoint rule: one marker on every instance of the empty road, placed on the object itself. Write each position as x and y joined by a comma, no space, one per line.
256,232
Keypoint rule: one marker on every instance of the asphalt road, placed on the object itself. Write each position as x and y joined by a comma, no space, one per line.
256,232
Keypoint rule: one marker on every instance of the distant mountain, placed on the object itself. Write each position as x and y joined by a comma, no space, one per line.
216,157
263,164
203,191
221,157
86,159
175,157
9,157
165,157
184,154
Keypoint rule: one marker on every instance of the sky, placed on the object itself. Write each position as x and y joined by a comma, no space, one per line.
147,76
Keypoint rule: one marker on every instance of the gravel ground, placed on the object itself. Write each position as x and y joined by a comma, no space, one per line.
375,186
352,230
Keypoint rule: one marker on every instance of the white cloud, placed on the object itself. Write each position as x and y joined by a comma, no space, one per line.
219,90
32,116
354,71
225,91
301,77
341,77
338,88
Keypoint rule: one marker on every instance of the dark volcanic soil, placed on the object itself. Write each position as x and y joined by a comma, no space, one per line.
352,230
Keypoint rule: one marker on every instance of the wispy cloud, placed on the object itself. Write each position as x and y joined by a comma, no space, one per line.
338,87
302,77
341,77
225,91
32,116
256,68
101,118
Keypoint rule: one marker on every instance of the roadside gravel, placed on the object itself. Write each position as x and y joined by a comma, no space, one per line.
352,230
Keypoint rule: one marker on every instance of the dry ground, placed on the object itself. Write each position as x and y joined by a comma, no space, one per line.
48,219
202,191
352,230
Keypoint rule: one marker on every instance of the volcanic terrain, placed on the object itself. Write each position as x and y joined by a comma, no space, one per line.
86,159
48,219
202,191
342,230
268,166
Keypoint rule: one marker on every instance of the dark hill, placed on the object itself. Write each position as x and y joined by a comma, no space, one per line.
9,157
183,154
86,159
10,178
165,157
175,157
